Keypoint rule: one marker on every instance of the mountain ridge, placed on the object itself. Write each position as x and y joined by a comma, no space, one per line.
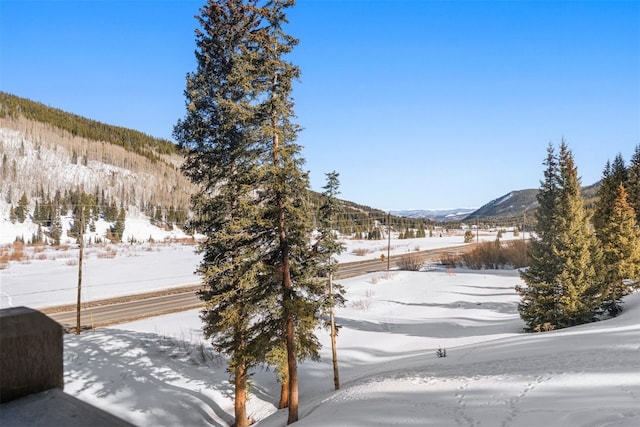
50,154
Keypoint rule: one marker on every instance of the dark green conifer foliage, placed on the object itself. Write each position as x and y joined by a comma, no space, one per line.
613,175
56,228
328,246
117,230
22,210
633,184
562,285
620,241
222,158
257,267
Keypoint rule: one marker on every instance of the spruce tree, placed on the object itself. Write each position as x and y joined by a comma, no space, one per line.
562,287
117,229
327,246
22,210
613,175
633,184
577,249
218,133
284,196
258,268
620,241
55,229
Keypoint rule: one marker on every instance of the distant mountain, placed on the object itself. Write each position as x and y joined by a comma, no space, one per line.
58,161
507,209
55,158
438,215
516,204
511,205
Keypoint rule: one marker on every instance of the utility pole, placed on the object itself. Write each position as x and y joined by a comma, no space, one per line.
524,241
389,241
81,233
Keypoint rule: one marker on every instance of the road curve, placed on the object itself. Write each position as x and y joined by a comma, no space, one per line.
134,307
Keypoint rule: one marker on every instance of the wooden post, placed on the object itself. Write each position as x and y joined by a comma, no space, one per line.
80,270
389,241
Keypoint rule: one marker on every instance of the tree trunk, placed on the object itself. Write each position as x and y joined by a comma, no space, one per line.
334,351
293,371
241,396
284,394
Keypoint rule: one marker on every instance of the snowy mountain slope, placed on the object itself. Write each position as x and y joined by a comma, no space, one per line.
42,162
441,215
160,372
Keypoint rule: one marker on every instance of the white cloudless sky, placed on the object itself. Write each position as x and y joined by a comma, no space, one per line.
417,104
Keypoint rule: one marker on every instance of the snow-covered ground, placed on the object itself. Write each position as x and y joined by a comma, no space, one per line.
160,371
46,276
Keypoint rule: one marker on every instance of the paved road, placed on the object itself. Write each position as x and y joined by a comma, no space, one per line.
133,307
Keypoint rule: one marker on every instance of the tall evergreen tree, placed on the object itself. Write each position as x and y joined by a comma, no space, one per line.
284,196
620,241
633,184
613,175
562,287
223,159
55,229
327,246
22,210
580,279
257,267
117,230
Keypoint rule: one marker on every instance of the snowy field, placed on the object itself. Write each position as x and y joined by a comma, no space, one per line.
46,276
160,371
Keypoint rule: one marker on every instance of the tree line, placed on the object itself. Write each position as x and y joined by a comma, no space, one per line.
132,140
582,264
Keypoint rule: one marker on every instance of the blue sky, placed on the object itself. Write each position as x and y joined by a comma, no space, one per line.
417,104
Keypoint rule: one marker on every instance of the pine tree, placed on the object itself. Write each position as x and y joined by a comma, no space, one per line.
579,280
620,241
633,184
613,175
327,246
218,134
117,230
561,282
284,196
257,266
55,229
21,210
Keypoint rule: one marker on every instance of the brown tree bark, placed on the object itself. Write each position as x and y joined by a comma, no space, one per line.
334,351
240,405
284,394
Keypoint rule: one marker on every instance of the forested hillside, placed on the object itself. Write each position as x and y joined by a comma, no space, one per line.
53,163
132,140
56,163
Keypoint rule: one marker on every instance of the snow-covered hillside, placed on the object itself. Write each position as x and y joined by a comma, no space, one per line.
39,161
160,371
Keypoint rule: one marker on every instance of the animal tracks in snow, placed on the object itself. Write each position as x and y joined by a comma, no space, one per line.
476,396
514,403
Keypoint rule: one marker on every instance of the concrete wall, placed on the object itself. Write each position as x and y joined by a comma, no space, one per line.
31,348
